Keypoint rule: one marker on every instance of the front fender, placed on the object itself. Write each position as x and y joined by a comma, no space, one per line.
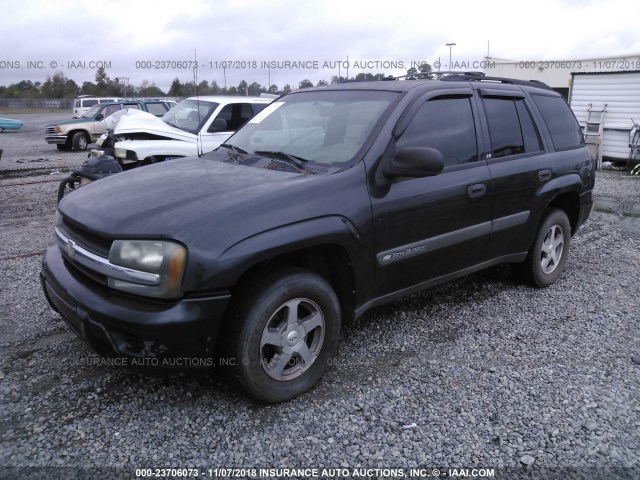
332,230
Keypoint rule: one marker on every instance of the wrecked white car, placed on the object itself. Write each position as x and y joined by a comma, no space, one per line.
194,126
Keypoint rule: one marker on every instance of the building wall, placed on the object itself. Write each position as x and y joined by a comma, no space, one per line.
620,91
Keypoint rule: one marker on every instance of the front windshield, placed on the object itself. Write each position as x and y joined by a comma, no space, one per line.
92,111
190,115
324,127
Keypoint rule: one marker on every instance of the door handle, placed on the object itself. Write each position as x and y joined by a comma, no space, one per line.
476,190
544,175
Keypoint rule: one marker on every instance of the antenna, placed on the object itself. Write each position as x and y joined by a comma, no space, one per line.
199,146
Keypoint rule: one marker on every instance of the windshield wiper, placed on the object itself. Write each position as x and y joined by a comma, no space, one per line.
286,157
232,148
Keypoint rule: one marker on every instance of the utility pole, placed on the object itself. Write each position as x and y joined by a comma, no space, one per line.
450,45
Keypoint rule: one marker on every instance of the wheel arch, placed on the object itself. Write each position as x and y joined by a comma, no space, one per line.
563,193
86,134
329,261
569,203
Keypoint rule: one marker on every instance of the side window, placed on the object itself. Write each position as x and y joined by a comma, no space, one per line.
109,109
530,133
447,125
504,127
157,109
258,107
245,115
225,114
562,124
236,115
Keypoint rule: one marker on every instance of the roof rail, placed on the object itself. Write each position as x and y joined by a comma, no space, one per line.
410,75
455,77
419,75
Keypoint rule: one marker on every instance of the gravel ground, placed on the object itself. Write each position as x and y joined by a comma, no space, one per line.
482,372
26,149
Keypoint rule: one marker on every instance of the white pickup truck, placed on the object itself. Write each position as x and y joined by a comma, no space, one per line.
195,125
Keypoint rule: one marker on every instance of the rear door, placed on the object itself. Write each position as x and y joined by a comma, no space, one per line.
515,157
431,227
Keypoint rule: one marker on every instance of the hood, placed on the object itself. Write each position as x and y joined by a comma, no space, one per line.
180,199
73,122
144,122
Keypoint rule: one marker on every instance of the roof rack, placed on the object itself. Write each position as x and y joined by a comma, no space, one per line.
409,75
455,77
429,75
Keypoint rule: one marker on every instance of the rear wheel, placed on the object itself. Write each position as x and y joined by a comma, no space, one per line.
284,330
79,142
549,252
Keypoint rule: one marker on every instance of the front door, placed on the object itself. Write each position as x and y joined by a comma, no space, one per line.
430,227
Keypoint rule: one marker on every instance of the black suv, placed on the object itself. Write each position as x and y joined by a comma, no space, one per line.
329,202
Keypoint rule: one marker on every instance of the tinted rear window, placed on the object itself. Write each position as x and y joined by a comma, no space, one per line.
562,124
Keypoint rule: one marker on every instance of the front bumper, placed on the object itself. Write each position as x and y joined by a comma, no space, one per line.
58,139
115,324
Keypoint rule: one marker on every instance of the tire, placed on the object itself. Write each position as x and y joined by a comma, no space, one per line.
277,353
79,142
548,254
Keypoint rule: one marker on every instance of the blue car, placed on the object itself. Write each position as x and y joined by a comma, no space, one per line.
8,124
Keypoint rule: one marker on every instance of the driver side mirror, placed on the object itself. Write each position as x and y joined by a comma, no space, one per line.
100,117
414,162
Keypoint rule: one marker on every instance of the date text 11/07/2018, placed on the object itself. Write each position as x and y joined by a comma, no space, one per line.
319,473
577,65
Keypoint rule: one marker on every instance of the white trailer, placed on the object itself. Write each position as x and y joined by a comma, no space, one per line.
620,91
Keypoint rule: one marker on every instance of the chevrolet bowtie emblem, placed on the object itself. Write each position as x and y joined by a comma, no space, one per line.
69,248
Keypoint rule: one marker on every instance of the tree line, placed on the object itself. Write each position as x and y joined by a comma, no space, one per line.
59,86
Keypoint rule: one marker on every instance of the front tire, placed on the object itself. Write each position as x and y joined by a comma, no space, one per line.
548,254
79,142
284,331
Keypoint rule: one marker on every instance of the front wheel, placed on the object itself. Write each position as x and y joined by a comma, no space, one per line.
284,331
550,249
79,142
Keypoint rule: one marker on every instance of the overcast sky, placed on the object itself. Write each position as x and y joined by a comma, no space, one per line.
39,38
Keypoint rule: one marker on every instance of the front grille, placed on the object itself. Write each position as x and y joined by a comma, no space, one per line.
95,276
86,239
50,131
89,241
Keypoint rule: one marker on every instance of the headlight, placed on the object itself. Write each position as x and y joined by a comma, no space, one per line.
57,129
166,259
